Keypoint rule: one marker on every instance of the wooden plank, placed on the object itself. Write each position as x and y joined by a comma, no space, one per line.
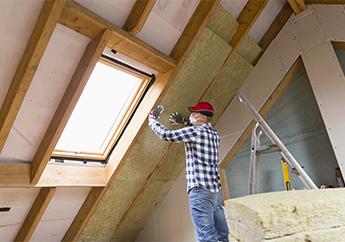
246,19
18,175
194,27
295,6
289,76
138,16
84,214
301,4
88,23
27,67
276,26
224,182
338,45
79,79
35,214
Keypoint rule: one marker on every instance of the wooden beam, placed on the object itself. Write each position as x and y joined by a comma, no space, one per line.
297,6
27,67
138,123
35,214
276,26
193,29
18,175
246,19
79,79
88,23
338,2
224,182
84,214
138,16
289,76
338,45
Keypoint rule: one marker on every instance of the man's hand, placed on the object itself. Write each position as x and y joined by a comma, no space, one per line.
177,119
155,113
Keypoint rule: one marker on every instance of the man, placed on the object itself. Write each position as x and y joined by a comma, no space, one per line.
201,142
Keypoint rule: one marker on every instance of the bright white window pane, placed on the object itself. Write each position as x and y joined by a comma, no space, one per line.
107,92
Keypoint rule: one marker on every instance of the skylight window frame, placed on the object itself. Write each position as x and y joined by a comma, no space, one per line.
119,124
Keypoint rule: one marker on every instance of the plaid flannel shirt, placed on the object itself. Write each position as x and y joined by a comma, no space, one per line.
202,153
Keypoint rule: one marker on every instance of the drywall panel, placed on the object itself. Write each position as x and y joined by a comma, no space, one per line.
234,7
46,90
287,44
171,221
17,20
60,213
115,12
328,83
265,19
20,201
308,30
332,21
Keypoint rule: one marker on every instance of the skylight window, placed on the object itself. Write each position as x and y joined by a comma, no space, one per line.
101,112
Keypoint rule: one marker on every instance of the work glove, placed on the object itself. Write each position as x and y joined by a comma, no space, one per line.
155,113
177,119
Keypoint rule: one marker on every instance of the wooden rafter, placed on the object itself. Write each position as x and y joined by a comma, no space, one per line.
35,214
277,24
27,67
247,18
88,23
193,28
289,76
298,6
136,127
78,81
138,16
84,214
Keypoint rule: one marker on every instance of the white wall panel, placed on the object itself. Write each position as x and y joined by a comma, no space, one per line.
46,90
14,36
308,31
328,83
332,21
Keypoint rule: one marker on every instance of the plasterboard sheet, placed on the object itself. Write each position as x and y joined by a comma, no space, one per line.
20,200
287,45
60,213
328,83
265,77
234,7
8,233
175,12
115,12
46,90
332,21
308,31
15,33
265,19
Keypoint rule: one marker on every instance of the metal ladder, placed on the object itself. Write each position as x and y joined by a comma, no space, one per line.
276,146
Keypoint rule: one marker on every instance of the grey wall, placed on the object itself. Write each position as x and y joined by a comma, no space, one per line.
296,119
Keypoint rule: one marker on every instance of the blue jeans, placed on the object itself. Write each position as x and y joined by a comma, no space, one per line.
208,215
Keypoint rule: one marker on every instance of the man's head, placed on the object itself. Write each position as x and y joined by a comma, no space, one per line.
202,113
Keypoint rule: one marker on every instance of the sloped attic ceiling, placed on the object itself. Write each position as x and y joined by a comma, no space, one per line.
162,29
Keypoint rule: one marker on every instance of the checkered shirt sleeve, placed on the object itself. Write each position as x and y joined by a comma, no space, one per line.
202,153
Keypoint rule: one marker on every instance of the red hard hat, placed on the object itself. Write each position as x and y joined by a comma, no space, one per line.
204,108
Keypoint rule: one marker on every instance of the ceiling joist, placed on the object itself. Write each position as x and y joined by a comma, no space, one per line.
298,6
27,67
78,81
88,23
138,16
35,214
